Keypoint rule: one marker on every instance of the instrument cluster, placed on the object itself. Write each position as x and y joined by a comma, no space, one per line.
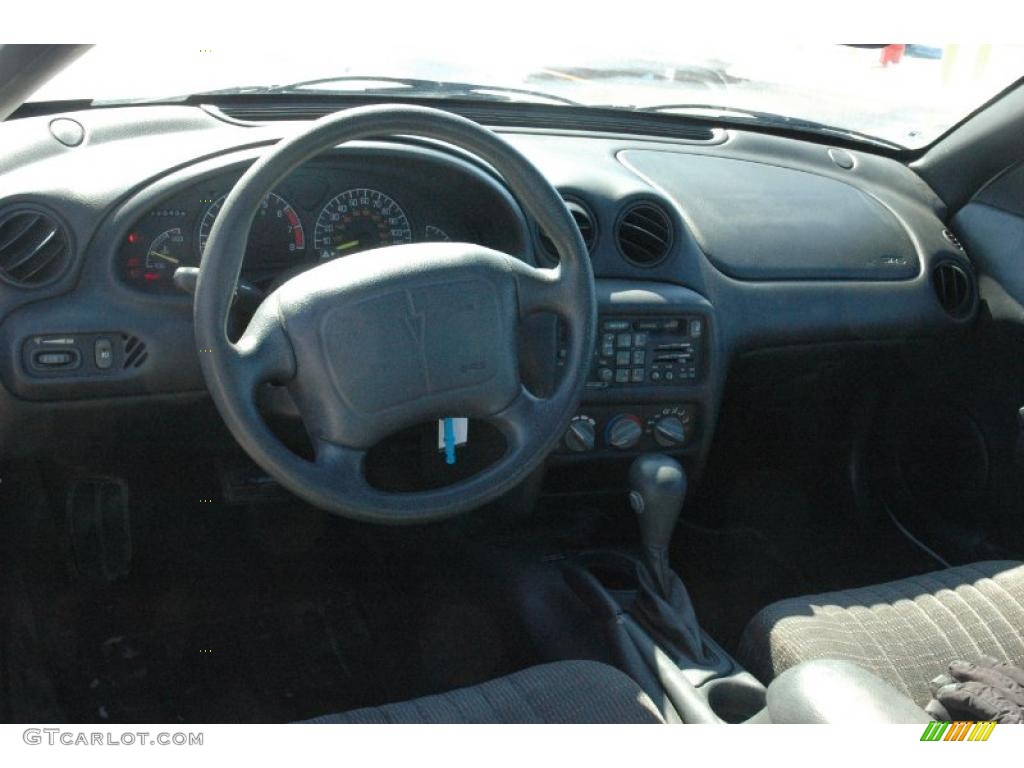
314,216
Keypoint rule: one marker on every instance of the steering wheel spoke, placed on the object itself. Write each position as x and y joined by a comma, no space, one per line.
264,354
539,290
522,418
343,465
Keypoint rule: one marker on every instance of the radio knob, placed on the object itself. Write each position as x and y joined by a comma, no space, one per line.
623,431
579,437
669,432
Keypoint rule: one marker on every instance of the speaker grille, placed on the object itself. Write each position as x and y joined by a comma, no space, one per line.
135,353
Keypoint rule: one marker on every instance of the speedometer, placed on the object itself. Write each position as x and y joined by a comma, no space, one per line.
357,220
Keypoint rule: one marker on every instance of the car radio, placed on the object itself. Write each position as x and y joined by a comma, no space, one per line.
647,351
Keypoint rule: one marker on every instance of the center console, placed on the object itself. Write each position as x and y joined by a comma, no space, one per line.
653,376
651,625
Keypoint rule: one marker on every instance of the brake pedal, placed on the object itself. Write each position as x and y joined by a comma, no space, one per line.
99,527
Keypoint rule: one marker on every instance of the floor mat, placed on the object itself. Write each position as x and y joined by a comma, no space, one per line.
284,664
787,524
259,615
296,658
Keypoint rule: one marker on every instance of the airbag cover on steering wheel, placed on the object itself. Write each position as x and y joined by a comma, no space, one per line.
439,344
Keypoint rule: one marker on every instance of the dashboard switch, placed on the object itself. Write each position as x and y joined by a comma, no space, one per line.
103,353
63,358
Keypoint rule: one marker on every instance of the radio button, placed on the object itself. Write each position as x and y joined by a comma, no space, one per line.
616,325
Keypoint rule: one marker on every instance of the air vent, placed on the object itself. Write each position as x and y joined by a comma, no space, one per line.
135,353
34,248
584,221
948,234
644,233
955,288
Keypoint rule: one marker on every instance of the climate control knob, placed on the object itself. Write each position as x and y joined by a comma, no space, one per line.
579,437
669,432
623,431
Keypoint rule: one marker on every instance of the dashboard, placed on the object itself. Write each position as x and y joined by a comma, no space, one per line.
703,248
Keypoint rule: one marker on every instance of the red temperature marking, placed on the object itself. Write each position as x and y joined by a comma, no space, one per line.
293,219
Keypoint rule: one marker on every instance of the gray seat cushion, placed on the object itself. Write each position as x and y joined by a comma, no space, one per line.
905,631
563,692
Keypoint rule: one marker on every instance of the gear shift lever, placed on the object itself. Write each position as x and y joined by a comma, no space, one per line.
658,486
658,489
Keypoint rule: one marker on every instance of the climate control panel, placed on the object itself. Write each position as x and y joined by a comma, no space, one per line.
632,428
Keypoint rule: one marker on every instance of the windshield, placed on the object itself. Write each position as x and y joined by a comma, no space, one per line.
903,94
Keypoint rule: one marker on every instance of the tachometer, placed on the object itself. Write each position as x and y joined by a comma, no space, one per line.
275,237
359,219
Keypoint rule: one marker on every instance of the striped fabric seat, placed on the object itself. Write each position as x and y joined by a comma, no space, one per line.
905,631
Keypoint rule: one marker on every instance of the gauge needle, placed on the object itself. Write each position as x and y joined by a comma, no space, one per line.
346,246
165,257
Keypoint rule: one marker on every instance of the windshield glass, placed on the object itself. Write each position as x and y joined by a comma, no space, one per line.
904,94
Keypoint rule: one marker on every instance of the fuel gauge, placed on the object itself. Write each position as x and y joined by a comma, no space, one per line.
166,253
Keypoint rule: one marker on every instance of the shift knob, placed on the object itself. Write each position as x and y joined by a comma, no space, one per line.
658,486
658,489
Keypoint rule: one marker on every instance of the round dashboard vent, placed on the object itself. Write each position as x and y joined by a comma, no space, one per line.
34,247
644,233
584,221
954,287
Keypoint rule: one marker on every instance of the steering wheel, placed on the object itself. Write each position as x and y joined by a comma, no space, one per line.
388,338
